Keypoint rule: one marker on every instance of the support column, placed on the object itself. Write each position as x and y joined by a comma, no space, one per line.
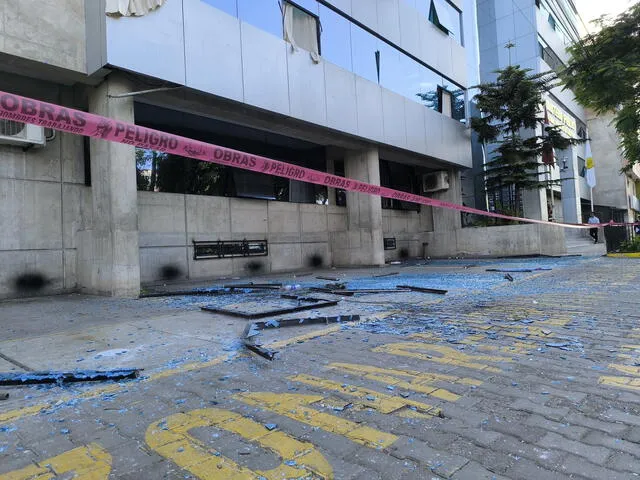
108,256
570,187
535,204
445,220
362,243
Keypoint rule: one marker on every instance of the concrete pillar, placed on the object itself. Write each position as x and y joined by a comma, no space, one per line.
534,204
108,256
362,244
444,219
571,204
331,156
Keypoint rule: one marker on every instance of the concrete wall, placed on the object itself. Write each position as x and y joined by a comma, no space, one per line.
170,222
46,31
498,241
409,229
610,189
248,65
43,201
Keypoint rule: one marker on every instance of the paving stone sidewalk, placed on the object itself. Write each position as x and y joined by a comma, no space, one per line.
535,378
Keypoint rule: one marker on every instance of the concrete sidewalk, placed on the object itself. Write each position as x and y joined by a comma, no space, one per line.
530,379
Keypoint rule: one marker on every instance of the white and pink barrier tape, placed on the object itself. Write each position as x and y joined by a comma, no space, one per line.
27,110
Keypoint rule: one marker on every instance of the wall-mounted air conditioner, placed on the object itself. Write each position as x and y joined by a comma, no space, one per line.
435,182
18,133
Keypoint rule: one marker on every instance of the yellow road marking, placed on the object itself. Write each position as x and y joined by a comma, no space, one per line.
630,347
171,439
90,462
448,355
371,398
629,369
621,382
306,336
418,381
22,412
295,406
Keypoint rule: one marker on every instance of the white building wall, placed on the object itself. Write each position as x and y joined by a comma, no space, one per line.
243,63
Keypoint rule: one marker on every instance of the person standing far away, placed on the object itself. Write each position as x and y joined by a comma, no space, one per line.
593,231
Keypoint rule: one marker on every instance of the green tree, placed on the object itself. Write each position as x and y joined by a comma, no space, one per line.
604,75
511,109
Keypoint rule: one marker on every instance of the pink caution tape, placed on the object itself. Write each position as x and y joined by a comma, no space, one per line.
27,110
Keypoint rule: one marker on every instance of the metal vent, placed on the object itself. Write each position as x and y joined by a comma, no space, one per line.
9,128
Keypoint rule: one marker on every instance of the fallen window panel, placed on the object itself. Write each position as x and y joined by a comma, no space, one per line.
423,289
34,378
321,303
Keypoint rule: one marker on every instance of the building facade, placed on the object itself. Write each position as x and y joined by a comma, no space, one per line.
616,195
539,32
374,90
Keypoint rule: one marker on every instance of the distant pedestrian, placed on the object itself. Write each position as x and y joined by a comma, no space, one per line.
593,231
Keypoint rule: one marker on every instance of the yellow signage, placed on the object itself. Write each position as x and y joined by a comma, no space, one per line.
557,116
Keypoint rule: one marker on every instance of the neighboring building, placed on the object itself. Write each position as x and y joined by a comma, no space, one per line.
540,31
370,89
616,196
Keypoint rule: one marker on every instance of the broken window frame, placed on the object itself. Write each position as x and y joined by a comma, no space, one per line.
289,36
389,178
441,9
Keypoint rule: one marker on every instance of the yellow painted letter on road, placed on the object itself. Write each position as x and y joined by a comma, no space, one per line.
295,406
620,382
421,382
442,354
367,398
90,462
171,439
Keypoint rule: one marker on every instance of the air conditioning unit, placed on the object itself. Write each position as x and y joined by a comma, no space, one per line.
18,133
435,182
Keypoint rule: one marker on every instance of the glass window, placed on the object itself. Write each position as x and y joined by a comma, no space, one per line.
456,97
409,71
549,55
228,6
301,28
423,6
263,14
399,177
428,92
363,53
391,74
253,185
444,16
335,38
458,104
582,167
